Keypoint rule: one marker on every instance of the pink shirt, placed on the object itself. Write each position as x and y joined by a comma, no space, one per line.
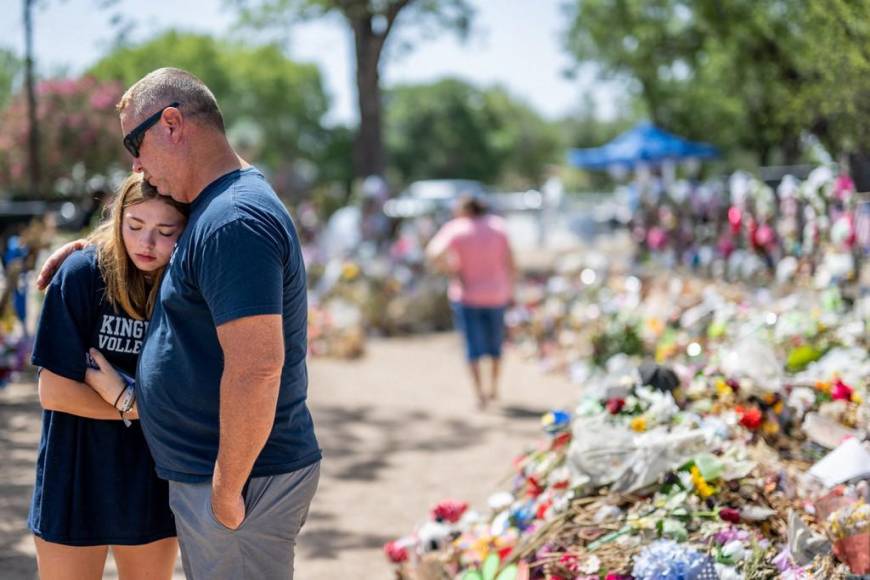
479,254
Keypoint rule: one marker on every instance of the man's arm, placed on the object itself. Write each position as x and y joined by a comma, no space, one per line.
253,349
437,252
55,260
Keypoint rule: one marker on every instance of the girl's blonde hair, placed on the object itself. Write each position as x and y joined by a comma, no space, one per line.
127,286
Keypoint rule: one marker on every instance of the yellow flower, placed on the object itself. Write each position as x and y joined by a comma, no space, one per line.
701,485
823,386
770,427
664,352
856,398
638,424
655,326
641,524
349,271
481,547
723,389
778,408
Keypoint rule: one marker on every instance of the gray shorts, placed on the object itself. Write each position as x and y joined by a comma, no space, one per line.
262,547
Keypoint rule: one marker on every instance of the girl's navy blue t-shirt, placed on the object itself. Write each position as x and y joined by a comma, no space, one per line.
95,479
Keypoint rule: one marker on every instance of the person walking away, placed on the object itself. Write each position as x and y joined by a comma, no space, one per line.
473,249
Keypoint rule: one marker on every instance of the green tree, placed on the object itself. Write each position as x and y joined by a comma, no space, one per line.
588,128
734,73
451,129
834,49
372,22
10,66
272,106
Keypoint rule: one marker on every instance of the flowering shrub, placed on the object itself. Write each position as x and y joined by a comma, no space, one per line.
80,136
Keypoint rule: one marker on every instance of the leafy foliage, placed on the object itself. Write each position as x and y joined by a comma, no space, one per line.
372,23
272,106
10,65
451,129
746,75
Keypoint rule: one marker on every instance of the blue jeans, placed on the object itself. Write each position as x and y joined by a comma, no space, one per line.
482,328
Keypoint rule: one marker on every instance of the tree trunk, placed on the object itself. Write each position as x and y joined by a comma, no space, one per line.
649,90
859,168
791,150
369,156
33,138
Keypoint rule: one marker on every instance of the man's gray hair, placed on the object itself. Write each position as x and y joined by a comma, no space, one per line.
163,86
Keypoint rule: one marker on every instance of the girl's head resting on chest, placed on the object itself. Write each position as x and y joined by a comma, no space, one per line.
134,244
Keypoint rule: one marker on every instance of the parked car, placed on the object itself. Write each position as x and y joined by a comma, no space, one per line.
432,197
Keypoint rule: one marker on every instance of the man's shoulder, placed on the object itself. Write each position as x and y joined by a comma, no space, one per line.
245,216
496,224
250,197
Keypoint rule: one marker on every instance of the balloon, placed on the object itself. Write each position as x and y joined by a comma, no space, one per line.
735,218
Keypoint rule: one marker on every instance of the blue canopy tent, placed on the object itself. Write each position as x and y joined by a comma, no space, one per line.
644,144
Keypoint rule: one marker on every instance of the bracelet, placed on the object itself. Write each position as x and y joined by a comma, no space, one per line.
127,404
121,394
125,400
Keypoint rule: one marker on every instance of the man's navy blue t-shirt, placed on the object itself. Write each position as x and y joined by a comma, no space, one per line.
95,480
239,256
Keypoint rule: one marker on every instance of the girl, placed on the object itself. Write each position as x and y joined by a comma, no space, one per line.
95,480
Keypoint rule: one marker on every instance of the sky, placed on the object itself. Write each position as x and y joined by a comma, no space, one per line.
514,43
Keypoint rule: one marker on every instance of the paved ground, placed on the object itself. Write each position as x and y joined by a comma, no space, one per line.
399,432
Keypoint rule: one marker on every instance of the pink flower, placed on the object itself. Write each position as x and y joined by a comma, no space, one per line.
396,552
570,562
735,218
841,391
656,238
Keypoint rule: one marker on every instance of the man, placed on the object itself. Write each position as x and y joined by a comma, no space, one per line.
222,380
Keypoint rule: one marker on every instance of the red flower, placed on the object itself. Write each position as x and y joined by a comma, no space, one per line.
560,440
749,418
535,488
395,552
729,515
504,553
449,510
542,509
841,391
615,405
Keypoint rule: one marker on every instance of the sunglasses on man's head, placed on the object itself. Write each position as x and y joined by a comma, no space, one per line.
133,139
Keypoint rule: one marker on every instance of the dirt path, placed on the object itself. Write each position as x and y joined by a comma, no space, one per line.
399,432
